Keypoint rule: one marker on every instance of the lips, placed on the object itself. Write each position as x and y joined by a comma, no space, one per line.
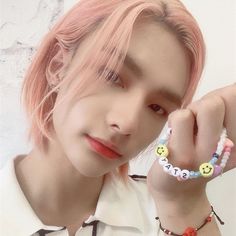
103,147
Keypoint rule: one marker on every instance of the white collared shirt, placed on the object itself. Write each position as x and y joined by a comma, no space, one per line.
122,210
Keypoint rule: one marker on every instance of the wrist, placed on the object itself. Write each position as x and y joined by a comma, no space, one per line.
177,218
182,206
181,202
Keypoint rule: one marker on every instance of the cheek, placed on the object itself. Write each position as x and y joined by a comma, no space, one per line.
79,116
152,129
148,134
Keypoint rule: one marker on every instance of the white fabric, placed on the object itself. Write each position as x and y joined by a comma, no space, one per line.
122,210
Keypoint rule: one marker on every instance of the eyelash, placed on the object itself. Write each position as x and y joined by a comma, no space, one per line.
110,77
163,111
112,80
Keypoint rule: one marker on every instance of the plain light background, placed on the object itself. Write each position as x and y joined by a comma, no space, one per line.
23,23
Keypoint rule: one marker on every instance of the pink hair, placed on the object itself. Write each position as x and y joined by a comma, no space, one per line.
113,21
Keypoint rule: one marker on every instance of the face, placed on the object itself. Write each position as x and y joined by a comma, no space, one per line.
127,114
206,169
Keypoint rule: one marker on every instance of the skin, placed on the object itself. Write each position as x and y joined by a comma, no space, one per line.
127,120
183,204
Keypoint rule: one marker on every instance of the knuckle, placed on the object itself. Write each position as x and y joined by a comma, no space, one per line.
232,93
180,115
212,104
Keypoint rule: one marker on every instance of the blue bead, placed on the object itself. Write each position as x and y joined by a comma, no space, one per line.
197,174
194,174
213,160
162,141
191,173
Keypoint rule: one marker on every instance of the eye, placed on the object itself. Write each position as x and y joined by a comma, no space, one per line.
158,109
111,76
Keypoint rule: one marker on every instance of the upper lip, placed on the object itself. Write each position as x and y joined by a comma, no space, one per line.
107,144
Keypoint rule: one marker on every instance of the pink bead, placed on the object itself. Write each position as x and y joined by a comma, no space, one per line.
217,170
227,149
229,143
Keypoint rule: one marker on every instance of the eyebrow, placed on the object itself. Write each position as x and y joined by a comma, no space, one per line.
133,65
171,96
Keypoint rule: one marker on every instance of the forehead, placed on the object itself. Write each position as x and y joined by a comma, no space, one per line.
157,56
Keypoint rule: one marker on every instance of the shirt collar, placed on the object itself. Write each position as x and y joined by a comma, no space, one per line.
119,205
15,209
114,205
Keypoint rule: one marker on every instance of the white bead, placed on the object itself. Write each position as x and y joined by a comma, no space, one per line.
165,137
162,161
220,148
221,145
222,139
224,161
185,174
218,152
167,168
176,171
222,165
168,131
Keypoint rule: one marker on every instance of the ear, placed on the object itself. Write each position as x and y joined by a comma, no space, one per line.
55,68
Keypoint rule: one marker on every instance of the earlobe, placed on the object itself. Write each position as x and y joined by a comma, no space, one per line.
55,68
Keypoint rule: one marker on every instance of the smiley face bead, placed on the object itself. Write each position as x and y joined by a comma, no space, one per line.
161,150
206,169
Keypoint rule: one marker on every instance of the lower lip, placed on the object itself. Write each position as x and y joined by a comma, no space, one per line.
101,149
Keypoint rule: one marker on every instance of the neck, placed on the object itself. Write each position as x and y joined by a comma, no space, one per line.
56,191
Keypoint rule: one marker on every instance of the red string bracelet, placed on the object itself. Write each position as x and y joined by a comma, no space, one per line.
190,231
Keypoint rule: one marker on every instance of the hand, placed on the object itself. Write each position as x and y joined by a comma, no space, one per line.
195,133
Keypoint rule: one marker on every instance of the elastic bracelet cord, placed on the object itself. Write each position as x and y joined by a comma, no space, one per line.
207,169
189,231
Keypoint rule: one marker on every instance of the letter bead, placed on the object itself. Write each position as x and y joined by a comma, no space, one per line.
207,169
184,174
167,168
176,171
162,161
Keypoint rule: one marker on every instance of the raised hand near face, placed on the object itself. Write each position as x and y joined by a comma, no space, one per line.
195,133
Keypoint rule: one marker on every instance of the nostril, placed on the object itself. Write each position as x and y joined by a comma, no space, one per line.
115,127
120,130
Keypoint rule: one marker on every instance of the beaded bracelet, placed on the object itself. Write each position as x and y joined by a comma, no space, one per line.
191,231
206,169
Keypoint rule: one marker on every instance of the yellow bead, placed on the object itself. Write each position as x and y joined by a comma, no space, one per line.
206,169
161,150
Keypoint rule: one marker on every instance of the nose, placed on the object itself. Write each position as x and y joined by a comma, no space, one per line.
125,116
